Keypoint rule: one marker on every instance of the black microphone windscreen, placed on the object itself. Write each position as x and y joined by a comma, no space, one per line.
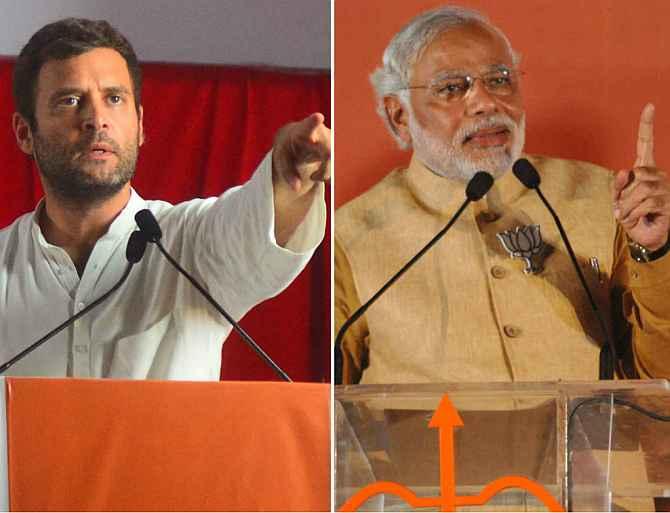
148,225
478,185
136,246
526,173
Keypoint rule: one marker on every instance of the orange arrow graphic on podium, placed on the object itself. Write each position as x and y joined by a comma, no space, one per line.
447,419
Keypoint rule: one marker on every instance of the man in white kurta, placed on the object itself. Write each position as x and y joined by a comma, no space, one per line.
157,325
77,91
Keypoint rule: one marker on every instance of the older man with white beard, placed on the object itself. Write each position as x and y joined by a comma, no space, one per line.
449,88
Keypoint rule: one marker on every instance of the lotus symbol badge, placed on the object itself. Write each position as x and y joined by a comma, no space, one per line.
524,242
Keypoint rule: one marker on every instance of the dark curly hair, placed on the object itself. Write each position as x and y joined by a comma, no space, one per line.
62,40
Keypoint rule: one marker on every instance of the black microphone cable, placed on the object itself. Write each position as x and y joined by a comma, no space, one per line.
609,361
152,231
137,243
602,400
477,187
529,177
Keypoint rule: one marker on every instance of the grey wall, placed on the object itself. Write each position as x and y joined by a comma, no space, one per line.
291,33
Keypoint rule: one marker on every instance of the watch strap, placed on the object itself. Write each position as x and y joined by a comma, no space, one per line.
643,255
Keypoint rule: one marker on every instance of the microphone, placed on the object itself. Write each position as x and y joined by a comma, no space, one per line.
134,252
137,244
149,226
477,187
475,190
609,361
152,232
527,174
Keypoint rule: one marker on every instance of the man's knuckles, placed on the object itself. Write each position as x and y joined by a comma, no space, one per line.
645,184
650,173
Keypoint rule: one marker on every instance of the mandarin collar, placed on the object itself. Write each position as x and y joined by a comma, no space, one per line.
121,225
125,221
444,196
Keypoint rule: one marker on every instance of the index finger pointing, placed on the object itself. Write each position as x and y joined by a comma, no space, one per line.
645,138
311,123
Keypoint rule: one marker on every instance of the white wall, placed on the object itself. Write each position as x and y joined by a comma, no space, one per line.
291,33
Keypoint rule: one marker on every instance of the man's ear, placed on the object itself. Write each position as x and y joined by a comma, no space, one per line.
140,133
398,117
23,134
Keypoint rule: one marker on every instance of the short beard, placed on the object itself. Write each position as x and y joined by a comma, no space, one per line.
447,158
73,185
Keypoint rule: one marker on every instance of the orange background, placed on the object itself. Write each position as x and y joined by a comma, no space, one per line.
590,66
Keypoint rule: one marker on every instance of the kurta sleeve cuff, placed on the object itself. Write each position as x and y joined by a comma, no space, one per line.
242,256
650,274
309,234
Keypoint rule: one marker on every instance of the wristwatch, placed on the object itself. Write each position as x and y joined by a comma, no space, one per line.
643,255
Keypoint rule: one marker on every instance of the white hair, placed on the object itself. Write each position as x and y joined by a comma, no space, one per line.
406,47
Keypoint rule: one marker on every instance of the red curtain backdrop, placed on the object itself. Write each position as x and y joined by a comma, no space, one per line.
207,128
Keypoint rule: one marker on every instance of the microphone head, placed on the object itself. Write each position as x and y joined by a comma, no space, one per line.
478,185
136,246
148,225
526,173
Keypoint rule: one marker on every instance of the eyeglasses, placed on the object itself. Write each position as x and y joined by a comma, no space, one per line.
451,88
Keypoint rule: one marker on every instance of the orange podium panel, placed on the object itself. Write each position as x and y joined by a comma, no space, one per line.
146,445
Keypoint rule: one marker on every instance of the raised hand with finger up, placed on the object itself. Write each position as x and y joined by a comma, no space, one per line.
641,195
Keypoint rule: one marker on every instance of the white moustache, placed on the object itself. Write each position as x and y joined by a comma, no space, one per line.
497,120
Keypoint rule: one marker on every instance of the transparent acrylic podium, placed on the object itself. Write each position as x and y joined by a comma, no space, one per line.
581,441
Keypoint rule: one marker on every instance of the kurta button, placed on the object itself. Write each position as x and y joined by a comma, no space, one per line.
81,305
512,331
497,271
489,216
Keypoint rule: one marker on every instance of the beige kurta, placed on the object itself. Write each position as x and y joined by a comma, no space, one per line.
466,311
